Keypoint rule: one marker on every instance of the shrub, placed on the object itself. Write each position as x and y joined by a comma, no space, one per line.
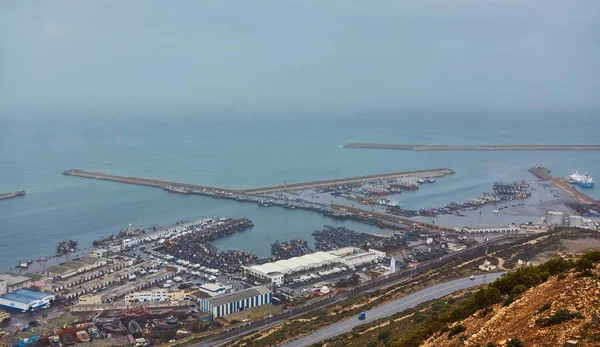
356,335
372,343
455,331
518,289
558,317
544,307
584,266
384,335
514,343
490,344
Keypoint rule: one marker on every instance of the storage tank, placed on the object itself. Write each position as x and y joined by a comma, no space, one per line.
575,221
555,218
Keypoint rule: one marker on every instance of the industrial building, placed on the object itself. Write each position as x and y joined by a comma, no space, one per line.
72,268
576,221
223,305
10,282
24,300
213,289
555,218
492,229
354,257
275,272
157,295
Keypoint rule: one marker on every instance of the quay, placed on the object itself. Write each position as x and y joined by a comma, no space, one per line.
385,217
417,147
425,173
544,174
5,196
229,193
143,181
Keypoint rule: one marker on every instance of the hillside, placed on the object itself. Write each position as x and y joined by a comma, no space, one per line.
528,317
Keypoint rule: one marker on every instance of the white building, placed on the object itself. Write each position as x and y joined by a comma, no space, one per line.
555,218
378,253
10,282
492,230
359,259
576,221
223,305
212,289
148,296
276,271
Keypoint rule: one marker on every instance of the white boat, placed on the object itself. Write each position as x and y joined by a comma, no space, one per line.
496,211
584,180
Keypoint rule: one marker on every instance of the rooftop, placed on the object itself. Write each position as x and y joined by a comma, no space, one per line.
212,287
24,298
295,264
237,296
12,279
61,270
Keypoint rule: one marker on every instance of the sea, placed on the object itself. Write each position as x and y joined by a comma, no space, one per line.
237,149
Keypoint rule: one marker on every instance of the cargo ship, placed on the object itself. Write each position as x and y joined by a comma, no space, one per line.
585,180
4,196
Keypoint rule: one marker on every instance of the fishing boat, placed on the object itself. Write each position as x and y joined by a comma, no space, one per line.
134,327
585,180
30,341
54,341
83,336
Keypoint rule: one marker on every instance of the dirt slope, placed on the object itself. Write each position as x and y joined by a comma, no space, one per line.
518,320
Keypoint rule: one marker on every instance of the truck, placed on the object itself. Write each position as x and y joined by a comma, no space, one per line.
362,316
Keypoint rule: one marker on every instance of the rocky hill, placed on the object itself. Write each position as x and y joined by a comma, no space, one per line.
562,311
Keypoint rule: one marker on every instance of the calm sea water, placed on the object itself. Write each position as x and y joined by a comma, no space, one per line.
238,152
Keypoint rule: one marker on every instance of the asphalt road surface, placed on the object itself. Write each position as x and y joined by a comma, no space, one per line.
434,292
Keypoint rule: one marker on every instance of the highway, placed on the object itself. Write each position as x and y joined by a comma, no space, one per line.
392,307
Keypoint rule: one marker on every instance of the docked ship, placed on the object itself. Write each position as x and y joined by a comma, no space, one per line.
584,180
178,190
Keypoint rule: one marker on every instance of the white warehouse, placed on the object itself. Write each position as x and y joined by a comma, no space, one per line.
275,272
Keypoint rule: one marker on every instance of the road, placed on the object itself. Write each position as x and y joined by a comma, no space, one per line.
392,307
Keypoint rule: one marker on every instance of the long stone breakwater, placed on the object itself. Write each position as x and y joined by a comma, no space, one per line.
212,190
544,174
416,147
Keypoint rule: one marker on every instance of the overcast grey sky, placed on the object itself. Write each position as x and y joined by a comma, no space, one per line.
447,53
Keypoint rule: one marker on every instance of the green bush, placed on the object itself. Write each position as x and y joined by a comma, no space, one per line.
584,266
559,317
372,343
518,289
455,331
356,335
384,335
544,307
514,343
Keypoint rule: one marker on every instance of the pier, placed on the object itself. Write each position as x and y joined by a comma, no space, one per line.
393,175
385,217
224,192
5,196
417,147
544,174
143,181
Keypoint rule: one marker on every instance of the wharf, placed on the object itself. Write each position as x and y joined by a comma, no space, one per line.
385,217
544,174
425,173
5,196
144,181
417,147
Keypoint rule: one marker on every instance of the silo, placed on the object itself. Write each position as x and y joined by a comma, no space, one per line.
555,218
576,221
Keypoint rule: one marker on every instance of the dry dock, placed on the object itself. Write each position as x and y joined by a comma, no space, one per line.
544,174
415,147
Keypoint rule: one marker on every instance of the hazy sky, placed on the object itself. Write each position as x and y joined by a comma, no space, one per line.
459,53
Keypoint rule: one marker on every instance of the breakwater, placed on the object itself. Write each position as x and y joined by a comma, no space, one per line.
544,174
143,181
4,196
224,192
393,175
417,147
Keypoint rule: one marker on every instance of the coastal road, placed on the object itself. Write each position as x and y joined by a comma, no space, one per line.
434,292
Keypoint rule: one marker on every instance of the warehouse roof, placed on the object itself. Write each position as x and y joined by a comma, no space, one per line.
297,263
61,270
33,294
237,296
12,279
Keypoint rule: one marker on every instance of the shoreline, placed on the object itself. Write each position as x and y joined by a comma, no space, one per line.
420,147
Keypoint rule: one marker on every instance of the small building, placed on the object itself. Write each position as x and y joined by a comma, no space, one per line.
148,296
378,253
225,304
177,295
24,300
99,253
10,282
90,299
487,266
60,272
492,229
4,316
212,289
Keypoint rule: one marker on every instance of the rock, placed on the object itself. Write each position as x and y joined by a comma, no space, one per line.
571,342
502,342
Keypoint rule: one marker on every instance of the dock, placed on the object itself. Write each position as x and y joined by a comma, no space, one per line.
417,147
385,216
224,192
5,196
544,174
145,181
393,175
